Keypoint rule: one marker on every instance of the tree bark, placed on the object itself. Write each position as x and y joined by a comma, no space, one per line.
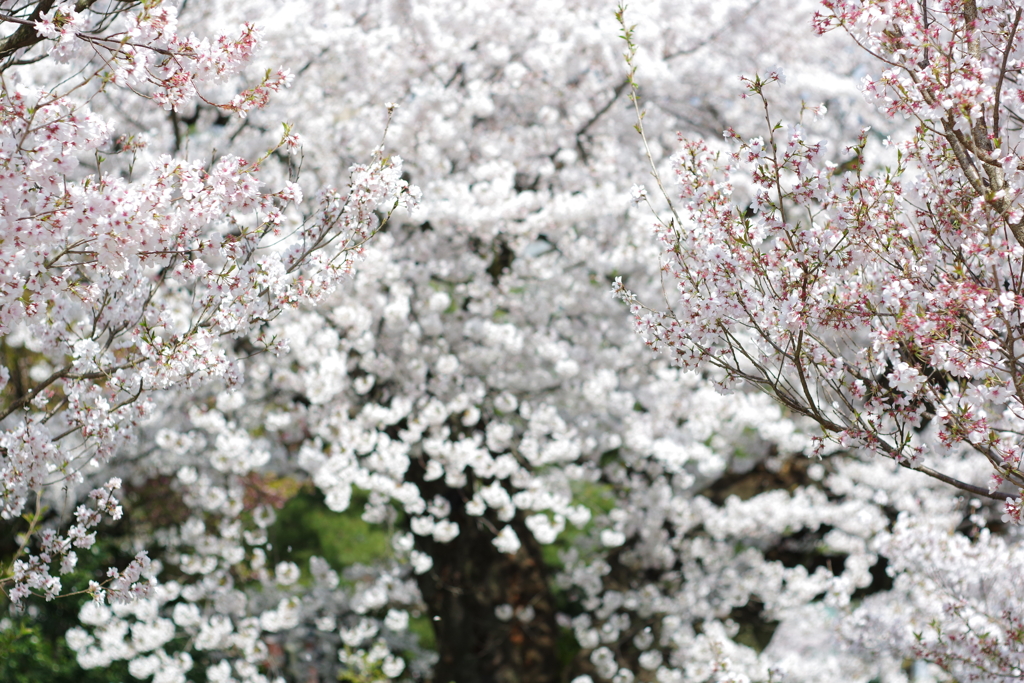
469,579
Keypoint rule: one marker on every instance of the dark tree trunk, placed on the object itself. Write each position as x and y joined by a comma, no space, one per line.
469,579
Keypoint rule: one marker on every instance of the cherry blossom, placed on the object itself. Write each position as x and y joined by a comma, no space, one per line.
470,391
118,287
877,300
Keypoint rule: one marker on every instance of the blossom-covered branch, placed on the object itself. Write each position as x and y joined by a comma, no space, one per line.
115,287
885,305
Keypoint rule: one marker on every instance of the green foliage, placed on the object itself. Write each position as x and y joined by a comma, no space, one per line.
32,645
423,628
308,527
566,648
597,497
32,648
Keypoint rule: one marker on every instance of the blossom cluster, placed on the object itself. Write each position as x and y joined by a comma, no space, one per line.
33,575
116,287
474,389
471,403
882,305
879,298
